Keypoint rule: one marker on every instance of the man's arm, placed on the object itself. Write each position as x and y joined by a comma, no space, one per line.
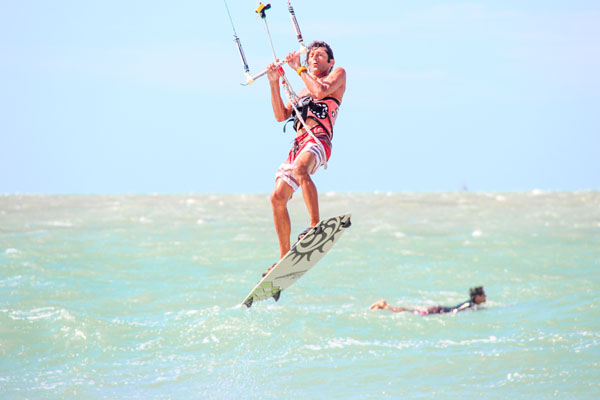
460,307
383,305
280,110
322,88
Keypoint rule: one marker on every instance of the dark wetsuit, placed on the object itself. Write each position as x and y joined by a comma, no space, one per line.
442,310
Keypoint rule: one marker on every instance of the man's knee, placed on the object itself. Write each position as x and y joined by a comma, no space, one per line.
280,196
276,197
304,166
301,173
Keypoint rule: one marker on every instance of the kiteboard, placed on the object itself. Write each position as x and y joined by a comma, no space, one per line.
302,257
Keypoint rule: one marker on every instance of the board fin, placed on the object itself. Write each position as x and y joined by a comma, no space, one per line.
248,302
276,295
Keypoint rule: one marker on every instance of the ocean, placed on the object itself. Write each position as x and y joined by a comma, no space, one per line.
138,297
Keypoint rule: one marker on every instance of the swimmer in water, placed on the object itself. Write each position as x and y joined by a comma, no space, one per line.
477,295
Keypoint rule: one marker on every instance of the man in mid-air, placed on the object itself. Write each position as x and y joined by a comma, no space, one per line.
318,105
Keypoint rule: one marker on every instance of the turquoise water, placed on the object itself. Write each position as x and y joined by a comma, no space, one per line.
105,297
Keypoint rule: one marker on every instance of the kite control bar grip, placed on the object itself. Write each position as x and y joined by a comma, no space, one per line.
250,79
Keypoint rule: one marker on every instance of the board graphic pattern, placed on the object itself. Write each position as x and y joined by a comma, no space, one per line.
301,258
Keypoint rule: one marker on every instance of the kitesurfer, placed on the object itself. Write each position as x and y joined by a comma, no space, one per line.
318,103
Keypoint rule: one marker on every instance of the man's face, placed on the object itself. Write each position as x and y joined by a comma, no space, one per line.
317,61
480,298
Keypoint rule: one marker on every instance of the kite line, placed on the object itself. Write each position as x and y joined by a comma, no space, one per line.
289,91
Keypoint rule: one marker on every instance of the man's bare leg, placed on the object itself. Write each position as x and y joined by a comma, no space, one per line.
279,199
304,164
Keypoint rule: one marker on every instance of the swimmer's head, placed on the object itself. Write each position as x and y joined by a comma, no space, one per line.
477,295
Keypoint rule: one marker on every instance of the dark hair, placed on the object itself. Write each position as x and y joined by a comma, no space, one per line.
324,45
476,291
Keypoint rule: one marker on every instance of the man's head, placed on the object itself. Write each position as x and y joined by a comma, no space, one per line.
319,58
477,295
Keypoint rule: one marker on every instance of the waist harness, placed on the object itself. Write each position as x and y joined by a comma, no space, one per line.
323,112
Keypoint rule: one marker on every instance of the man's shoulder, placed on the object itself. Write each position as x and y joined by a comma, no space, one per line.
339,71
304,92
464,305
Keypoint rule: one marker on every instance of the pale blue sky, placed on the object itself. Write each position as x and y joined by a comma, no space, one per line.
144,96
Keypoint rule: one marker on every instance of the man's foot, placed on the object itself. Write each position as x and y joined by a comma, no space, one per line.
269,270
304,232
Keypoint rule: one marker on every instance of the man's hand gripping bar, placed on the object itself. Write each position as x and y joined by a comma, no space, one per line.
250,79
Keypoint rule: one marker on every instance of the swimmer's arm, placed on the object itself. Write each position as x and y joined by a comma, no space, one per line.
396,309
460,307
383,305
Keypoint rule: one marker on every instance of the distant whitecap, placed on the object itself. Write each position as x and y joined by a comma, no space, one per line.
79,334
61,224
